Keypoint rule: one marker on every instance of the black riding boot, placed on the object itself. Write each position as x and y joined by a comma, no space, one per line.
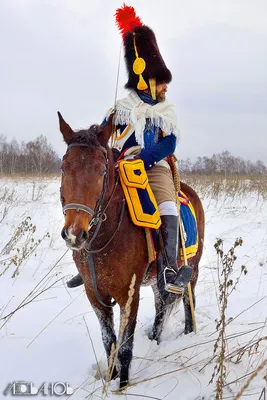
171,279
75,281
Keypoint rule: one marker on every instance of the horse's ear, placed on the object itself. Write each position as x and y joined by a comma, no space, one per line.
105,131
65,129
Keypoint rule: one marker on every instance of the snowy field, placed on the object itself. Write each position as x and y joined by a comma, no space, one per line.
49,333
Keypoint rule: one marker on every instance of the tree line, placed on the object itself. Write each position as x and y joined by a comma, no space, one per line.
38,156
222,164
34,157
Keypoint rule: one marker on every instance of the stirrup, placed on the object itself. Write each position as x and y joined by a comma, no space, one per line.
170,287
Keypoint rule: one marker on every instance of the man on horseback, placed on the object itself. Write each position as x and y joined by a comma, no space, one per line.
146,128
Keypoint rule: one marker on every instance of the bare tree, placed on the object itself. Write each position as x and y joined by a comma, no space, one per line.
223,163
36,156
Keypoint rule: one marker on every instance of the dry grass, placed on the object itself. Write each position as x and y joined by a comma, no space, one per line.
31,176
255,373
218,186
225,269
21,246
209,185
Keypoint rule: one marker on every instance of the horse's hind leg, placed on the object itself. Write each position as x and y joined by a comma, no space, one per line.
105,317
161,309
187,311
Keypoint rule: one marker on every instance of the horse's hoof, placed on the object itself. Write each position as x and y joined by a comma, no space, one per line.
153,336
188,329
123,384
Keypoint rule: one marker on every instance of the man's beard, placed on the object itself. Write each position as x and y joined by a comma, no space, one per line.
161,96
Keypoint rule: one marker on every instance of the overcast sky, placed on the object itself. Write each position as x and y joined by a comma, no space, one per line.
63,55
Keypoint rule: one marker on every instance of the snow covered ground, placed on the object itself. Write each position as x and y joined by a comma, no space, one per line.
47,339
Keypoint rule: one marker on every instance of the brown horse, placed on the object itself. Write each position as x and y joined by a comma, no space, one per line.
108,249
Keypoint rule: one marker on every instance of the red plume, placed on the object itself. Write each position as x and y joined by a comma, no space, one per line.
126,19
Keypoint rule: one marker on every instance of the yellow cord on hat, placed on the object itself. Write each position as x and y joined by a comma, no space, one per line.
153,89
139,66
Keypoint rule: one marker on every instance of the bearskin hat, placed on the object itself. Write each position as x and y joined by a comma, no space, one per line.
143,59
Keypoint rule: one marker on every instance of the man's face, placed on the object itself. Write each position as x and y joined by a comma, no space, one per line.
161,90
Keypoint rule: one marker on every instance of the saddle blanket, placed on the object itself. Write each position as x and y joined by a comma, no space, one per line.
144,211
189,224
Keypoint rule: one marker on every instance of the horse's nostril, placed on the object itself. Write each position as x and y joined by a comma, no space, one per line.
64,234
84,235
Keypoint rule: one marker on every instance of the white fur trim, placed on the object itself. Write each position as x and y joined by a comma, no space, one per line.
132,110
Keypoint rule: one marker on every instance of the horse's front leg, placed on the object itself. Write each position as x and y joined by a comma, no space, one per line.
126,337
160,316
106,321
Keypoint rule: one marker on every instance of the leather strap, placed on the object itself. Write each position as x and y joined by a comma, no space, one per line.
78,207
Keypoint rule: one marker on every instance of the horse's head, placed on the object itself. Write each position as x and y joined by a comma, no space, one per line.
84,179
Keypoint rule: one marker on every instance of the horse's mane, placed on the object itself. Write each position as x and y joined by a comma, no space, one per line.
86,136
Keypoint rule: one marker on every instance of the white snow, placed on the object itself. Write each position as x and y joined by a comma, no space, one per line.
47,340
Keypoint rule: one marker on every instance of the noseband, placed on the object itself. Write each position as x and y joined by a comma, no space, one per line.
97,214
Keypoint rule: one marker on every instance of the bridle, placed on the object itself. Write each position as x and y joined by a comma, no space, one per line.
97,214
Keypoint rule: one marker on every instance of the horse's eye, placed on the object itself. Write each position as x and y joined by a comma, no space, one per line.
103,173
62,170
